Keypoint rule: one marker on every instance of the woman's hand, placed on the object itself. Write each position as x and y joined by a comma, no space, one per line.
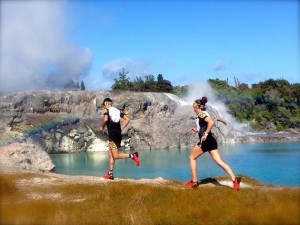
203,138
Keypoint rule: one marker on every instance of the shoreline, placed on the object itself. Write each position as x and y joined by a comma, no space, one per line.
250,138
38,178
268,137
41,179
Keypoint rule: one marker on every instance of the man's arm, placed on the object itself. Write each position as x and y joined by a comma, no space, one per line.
104,123
126,121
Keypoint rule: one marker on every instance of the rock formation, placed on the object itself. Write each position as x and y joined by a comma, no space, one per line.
19,156
67,121
35,123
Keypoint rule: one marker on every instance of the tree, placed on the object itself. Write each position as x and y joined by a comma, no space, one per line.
165,86
180,91
138,84
160,78
150,84
295,93
82,86
123,83
70,84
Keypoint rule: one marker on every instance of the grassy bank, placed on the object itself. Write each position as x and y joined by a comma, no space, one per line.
123,202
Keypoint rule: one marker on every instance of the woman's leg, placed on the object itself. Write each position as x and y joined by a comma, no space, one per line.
215,155
196,152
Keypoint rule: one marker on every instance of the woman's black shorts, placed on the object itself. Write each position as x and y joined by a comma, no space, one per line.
209,144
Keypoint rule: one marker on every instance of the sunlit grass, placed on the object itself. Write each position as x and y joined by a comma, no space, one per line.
119,202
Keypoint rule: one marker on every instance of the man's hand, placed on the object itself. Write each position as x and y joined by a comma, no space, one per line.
193,130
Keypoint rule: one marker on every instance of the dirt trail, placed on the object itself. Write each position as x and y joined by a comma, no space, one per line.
37,179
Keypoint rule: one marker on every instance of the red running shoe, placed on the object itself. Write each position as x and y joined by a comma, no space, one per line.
136,158
236,183
192,184
108,176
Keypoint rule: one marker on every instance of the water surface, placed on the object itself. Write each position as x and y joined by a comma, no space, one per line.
271,163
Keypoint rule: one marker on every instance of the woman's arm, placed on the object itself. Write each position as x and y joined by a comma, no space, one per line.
210,124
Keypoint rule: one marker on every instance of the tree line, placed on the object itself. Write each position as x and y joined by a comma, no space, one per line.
74,85
148,84
271,105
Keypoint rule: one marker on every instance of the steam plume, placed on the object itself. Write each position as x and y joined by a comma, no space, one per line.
34,52
197,91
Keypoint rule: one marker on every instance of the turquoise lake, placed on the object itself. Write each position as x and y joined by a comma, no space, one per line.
270,163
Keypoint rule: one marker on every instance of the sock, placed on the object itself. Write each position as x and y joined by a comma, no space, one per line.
110,172
131,156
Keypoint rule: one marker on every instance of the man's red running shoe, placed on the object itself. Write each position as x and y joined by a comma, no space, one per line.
236,183
136,158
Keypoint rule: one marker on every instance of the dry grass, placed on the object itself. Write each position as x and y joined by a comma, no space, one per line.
127,203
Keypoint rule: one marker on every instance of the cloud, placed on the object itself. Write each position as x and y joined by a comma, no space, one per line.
100,83
221,65
134,69
112,68
34,51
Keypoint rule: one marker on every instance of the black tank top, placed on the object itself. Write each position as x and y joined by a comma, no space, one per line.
202,123
113,124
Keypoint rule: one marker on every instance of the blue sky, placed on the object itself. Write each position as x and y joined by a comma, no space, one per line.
186,41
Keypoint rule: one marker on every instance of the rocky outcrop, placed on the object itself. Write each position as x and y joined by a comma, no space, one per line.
25,156
67,121
165,129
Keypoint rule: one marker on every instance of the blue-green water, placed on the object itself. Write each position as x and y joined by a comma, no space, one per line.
271,163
